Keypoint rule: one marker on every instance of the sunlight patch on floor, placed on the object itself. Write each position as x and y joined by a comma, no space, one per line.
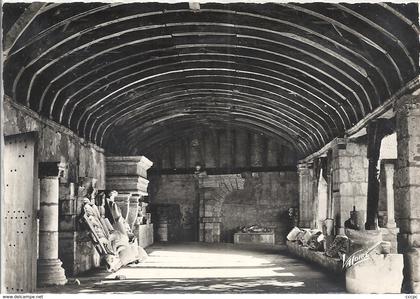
182,264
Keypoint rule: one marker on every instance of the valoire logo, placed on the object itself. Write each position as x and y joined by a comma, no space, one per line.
358,256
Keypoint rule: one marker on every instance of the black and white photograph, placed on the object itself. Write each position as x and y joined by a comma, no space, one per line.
209,147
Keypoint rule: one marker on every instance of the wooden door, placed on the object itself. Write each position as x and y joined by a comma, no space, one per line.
19,213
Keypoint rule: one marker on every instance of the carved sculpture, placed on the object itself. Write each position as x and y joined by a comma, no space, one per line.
339,246
108,230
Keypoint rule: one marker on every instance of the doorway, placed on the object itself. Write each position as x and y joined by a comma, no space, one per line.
19,252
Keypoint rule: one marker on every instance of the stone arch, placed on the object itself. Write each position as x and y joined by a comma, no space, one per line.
213,192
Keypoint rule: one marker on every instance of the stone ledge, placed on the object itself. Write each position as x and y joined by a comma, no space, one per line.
331,264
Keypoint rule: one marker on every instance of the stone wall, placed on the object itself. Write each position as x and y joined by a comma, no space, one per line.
57,143
407,183
264,200
83,160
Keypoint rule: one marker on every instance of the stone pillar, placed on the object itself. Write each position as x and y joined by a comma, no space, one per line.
306,213
389,183
349,181
376,130
408,186
49,269
390,229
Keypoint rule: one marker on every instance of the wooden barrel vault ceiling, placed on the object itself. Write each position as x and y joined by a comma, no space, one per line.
302,73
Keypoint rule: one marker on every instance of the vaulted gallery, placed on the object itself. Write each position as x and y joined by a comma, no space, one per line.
217,137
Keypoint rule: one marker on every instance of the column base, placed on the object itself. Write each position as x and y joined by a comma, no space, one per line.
50,273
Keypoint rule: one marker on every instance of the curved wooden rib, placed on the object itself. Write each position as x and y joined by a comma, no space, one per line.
289,79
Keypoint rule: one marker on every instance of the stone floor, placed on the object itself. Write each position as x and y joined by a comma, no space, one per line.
209,268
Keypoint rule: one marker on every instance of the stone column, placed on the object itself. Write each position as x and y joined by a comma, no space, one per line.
408,186
389,183
390,229
376,130
49,269
349,181
305,188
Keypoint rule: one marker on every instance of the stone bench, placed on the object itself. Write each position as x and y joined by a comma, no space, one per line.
333,265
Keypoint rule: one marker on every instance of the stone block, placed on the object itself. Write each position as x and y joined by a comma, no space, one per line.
363,278
356,161
344,162
208,213
356,149
406,176
408,152
390,235
134,184
346,189
408,225
365,163
343,175
358,174
414,240
127,165
412,259
408,126
407,199
125,169
360,202
360,189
